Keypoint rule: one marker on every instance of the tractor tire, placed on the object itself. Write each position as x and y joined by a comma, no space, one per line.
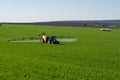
42,40
49,42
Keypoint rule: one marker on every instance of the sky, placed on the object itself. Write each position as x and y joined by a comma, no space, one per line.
57,10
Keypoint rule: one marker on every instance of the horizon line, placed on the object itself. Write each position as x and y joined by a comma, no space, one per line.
57,20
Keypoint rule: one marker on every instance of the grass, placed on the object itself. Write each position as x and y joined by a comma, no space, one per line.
94,56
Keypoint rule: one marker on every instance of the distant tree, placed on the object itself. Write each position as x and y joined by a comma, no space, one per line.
0,24
105,26
85,25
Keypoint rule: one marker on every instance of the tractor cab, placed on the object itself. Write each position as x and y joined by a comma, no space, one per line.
44,38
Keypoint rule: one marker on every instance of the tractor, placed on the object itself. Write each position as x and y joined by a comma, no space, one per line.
52,40
49,40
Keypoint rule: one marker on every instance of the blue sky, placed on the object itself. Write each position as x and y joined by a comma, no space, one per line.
52,10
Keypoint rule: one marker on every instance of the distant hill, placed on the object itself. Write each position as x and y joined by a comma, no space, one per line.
79,23
82,21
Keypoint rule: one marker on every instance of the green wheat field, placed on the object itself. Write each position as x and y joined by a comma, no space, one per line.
95,55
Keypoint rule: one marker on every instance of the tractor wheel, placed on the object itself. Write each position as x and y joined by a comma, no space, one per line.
42,40
49,42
